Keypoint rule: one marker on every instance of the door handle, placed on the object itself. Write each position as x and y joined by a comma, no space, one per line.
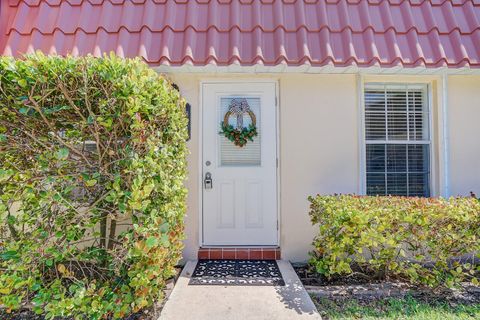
208,182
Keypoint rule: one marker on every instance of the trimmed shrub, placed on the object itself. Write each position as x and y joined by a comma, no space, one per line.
418,239
92,164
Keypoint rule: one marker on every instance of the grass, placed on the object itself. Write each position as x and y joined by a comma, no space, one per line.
408,309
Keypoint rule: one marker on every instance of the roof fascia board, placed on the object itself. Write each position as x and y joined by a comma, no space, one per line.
260,69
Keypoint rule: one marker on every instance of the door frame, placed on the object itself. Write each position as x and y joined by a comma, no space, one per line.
200,150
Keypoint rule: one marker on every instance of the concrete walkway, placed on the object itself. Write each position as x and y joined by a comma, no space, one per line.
239,302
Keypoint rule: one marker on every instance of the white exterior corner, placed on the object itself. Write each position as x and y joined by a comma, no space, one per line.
362,181
445,177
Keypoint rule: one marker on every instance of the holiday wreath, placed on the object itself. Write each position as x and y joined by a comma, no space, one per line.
239,134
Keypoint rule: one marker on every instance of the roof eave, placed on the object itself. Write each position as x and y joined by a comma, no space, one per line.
308,69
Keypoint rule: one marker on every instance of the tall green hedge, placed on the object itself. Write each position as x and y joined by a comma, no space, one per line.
422,240
92,164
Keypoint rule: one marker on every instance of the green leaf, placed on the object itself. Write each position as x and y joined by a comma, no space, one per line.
9,255
24,110
122,207
164,227
22,83
62,154
164,240
90,183
54,109
11,220
151,242
5,174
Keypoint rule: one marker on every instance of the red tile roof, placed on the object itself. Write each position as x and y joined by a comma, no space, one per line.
385,33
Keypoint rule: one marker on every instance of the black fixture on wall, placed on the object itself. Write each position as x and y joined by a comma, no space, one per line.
188,111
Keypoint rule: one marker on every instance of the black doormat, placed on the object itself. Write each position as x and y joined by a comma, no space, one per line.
237,273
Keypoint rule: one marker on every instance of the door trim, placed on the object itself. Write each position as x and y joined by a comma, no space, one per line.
200,150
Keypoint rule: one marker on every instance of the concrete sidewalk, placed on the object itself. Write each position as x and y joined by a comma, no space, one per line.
239,302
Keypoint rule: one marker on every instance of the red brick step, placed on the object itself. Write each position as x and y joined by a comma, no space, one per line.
256,253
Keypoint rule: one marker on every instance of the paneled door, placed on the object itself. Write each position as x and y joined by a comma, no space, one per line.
239,180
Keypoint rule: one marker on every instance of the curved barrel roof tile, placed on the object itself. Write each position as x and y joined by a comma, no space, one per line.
386,33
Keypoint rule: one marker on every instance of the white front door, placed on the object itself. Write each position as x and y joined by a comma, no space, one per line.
240,203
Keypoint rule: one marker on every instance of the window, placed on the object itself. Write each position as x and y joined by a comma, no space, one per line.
248,155
397,140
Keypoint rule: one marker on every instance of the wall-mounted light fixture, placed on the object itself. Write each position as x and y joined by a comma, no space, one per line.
188,111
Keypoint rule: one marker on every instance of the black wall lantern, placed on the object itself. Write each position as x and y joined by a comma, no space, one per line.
188,111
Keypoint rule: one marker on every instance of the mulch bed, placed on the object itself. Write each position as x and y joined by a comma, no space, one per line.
365,288
310,278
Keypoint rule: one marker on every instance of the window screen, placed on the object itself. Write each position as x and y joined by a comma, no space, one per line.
397,140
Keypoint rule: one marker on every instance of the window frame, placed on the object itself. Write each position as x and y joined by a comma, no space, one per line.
363,86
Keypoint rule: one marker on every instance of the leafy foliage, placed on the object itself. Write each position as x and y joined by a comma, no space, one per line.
418,239
237,136
92,164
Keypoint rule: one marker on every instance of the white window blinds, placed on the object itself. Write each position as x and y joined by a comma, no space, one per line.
397,140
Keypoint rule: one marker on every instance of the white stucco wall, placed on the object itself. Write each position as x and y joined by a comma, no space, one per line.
319,145
464,134
318,150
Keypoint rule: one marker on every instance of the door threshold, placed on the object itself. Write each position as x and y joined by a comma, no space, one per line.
240,253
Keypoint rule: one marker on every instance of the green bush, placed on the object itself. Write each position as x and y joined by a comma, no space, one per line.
417,239
92,164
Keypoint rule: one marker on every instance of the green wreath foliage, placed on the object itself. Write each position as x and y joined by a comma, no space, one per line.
92,165
237,136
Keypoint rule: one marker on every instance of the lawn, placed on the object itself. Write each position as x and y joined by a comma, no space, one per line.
408,308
